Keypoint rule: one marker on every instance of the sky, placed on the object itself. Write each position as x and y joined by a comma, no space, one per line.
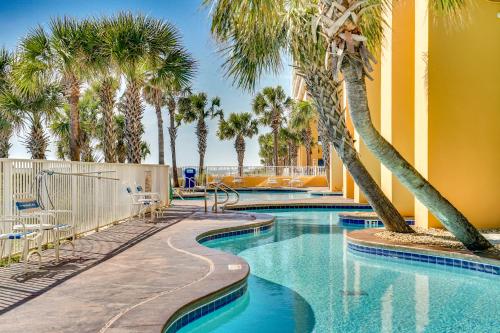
17,17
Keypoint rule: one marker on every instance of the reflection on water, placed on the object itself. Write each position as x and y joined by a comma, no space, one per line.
304,279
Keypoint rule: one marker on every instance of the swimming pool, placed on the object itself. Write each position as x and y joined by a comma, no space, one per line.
264,195
304,280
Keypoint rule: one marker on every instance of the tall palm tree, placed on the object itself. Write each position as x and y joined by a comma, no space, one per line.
325,145
60,57
293,140
35,111
163,88
106,87
238,126
348,29
174,93
266,147
270,106
255,38
9,119
194,108
137,44
88,110
303,114
156,97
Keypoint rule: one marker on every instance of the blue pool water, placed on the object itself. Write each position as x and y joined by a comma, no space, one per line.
304,280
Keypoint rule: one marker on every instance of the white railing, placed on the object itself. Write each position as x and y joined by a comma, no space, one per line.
94,202
289,171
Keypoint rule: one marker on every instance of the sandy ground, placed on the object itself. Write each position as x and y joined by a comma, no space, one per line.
436,237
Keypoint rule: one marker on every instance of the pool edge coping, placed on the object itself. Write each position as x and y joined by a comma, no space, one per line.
411,253
193,305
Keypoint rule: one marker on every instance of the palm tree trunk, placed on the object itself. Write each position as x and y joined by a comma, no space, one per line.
172,131
133,116
37,141
239,145
427,194
325,148
74,97
202,132
293,153
325,93
308,146
5,134
86,149
107,97
161,142
275,150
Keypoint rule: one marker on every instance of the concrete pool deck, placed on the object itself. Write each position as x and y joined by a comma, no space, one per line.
132,277
139,289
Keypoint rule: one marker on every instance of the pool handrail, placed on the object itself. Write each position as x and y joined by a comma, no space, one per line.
226,189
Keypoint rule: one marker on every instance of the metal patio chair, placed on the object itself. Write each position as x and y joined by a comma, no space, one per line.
9,236
43,221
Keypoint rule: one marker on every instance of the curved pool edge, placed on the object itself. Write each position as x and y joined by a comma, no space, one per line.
364,241
298,204
228,291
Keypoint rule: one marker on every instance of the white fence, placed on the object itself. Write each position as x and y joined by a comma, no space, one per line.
289,171
94,202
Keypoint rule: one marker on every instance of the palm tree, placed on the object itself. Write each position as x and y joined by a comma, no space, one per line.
194,108
106,87
162,88
9,119
325,144
266,147
254,40
174,93
137,45
303,113
62,57
155,96
349,29
88,109
35,111
293,139
238,126
270,106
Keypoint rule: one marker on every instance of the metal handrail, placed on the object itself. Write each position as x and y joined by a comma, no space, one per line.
225,188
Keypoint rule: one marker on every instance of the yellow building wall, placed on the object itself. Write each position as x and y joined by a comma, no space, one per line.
397,96
282,181
457,111
373,88
336,172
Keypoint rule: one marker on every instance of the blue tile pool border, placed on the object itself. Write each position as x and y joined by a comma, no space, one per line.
205,309
426,258
361,221
299,206
227,298
233,233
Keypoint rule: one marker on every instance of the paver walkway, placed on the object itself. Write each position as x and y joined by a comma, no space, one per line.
17,287
139,289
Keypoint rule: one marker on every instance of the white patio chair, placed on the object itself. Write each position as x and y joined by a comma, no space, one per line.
9,236
144,201
42,221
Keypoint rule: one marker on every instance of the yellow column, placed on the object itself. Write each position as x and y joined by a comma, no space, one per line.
336,171
367,158
397,96
421,102
457,110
